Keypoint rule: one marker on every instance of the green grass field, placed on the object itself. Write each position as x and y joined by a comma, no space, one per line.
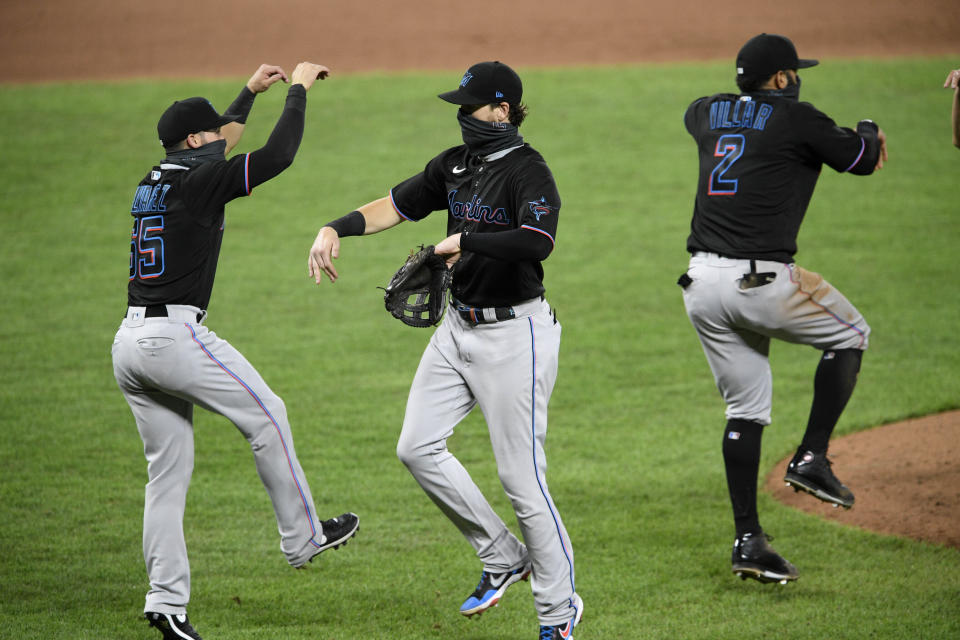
636,422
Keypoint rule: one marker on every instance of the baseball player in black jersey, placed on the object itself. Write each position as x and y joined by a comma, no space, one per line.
760,156
497,346
166,360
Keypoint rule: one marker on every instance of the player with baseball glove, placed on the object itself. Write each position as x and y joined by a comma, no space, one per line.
497,346
760,156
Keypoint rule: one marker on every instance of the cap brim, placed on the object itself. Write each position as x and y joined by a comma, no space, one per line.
461,97
806,64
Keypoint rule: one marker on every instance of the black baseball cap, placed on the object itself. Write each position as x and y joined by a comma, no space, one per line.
765,54
487,83
188,116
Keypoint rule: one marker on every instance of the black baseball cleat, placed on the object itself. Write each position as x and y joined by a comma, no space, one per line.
336,532
173,626
753,557
811,472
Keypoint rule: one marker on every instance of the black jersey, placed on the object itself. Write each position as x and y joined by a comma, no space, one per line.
178,212
760,157
177,230
513,193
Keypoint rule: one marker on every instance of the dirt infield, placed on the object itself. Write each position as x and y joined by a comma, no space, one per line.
905,476
83,39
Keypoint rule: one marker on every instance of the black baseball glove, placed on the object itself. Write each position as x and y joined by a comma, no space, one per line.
417,292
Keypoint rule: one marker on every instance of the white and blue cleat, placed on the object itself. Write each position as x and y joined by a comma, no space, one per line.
491,588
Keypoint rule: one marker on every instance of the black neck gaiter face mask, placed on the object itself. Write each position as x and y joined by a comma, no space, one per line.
792,90
192,157
483,138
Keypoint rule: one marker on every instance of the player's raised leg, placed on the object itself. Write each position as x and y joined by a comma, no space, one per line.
817,314
226,383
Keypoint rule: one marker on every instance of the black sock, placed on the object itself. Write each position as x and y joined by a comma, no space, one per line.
741,459
832,387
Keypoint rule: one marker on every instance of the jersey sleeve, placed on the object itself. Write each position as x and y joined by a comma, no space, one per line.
838,147
418,196
690,117
537,199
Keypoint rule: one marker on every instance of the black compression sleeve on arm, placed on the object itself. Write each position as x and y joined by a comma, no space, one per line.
868,130
352,224
275,156
516,245
242,105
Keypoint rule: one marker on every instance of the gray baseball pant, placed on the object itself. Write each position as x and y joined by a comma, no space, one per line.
735,324
164,366
508,368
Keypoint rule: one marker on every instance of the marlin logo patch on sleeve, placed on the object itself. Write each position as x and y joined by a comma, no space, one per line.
540,207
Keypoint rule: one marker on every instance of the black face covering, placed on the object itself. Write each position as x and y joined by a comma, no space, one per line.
209,152
792,90
484,138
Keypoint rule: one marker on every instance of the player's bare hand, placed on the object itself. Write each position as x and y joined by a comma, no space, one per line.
264,77
449,247
882,157
307,73
953,80
325,248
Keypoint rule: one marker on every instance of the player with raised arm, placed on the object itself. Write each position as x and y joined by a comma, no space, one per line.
166,360
953,82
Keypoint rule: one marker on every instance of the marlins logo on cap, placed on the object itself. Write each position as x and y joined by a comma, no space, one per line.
487,83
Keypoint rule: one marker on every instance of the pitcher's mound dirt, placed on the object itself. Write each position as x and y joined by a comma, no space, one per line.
905,476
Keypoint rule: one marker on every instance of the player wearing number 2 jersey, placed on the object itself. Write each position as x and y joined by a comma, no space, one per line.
761,153
166,361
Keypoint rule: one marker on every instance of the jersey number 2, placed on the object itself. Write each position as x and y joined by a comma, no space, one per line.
729,149
146,248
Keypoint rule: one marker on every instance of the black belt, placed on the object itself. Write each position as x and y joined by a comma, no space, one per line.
156,311
477,315
160,311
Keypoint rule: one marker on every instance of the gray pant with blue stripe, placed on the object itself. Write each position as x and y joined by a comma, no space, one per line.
164,367
508,368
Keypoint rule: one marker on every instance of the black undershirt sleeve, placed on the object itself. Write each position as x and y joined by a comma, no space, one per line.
278,153
241,105
868,161
516,245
